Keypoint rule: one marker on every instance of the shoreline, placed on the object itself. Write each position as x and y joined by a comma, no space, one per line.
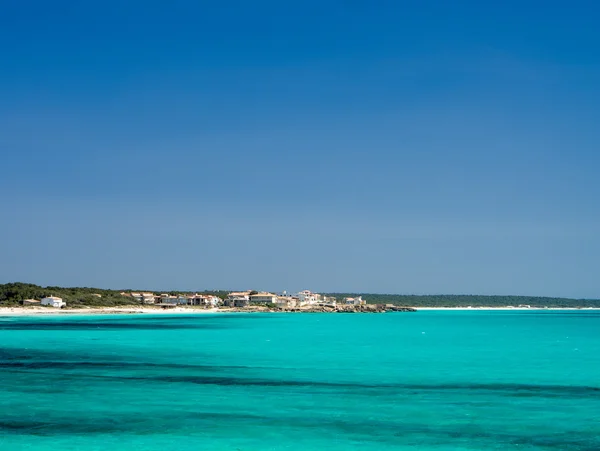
124,310
136,310
506,308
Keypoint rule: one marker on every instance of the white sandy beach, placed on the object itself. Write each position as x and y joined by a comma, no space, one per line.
24,311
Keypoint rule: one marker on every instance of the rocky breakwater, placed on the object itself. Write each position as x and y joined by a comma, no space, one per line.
373,308
366,308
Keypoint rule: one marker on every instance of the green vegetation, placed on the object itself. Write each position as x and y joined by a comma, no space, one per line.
450,300
13,293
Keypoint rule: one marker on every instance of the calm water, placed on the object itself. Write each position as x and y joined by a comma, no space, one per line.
405,381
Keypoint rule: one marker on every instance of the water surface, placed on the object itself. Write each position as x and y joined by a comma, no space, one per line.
434,380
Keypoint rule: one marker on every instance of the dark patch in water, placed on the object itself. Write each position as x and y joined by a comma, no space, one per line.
128,323
388,432
511,389
88,325
25,360
12,359
40,364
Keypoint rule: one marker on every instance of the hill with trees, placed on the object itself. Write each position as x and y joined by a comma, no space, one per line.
14,293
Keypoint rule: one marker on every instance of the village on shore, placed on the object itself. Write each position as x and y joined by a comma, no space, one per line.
250,300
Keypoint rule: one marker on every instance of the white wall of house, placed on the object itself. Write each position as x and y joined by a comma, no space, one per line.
238,295
148,298
205,300
286,302
53,301
307,297
263,298
354,301
169,300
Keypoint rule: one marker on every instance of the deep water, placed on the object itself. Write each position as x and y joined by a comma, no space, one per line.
459,380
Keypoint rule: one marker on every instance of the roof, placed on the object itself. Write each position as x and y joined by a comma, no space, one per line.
54,298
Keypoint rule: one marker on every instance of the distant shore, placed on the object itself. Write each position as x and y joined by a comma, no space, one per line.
506,308
25,311
158,309
128,310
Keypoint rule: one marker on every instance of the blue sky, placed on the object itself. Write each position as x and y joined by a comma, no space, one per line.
395,147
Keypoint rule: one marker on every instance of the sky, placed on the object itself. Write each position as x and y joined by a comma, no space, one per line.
413,147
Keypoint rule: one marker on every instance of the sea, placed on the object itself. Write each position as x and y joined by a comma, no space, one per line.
429,380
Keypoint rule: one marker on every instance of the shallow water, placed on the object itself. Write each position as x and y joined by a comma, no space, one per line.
458,380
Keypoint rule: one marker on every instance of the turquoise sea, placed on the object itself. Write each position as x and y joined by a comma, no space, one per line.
430,380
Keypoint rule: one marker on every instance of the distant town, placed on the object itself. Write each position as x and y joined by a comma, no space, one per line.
236,299
20,294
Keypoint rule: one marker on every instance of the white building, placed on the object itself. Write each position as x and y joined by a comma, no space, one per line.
354,301
53,301
239,295
182,299
137,296
263,298
307,297
205,300
148,298
286,301
174,300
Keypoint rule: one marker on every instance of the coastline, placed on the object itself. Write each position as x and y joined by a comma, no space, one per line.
132,310
505,308
125,310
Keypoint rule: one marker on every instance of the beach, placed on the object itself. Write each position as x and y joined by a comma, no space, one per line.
26,311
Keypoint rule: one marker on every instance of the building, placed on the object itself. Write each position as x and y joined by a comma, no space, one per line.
307,297
329,300
30,302
137,296
205,300
263,298
148,298
239,295
53,301
355,301
286,302
174,300
241,302
238,299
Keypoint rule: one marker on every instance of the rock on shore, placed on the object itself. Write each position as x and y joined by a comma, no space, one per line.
367,308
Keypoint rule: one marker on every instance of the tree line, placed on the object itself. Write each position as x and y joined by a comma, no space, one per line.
452,300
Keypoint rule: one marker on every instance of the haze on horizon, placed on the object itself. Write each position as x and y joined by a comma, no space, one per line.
409,147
